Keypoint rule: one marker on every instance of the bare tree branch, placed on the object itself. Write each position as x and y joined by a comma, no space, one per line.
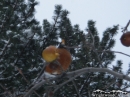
93,40
5,89
72,75
93,48
4,49
36,86
116,52
104,51
98,50
109,84
88,80
76,88
91,69
126,26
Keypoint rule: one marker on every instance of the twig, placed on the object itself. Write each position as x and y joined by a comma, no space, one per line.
93,48
41,72
55,20
5,48
36,86
59,86
86,82
15,62
51,30
115,52
76,88
5,89
20,71
102,51
125,87
61,68
93,40
37,94
126,27
111,83
91,69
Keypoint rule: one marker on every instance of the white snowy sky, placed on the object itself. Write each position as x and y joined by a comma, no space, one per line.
106,13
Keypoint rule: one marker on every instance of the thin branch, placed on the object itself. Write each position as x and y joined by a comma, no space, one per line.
126,26
72,75
15,62
76,88
41,72
40,77
93,48
5,89
51,30
55,22
86,82
59,86
91,69
93,40
101,51
5,48
20,71
125,86
109,84
37,94
36,86
115,52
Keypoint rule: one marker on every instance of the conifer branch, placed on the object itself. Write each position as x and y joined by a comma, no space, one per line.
15,62
7,18
55,22
20,71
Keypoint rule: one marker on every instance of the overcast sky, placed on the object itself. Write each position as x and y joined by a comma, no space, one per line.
106,13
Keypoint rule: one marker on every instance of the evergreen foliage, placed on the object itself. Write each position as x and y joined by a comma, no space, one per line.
22,40
19,45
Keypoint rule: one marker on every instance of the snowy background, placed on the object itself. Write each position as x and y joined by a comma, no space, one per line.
106,13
